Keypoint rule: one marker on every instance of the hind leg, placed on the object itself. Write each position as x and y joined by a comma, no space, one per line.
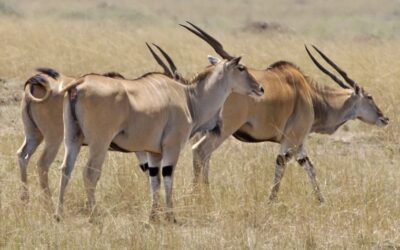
92,170
45,160
32,140
72,141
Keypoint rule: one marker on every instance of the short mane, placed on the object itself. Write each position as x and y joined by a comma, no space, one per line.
113,74
200,76
280,64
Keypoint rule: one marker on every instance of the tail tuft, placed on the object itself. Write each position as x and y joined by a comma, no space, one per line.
50,72
37,80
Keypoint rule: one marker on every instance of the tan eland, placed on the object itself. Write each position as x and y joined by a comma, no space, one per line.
292,107
152,113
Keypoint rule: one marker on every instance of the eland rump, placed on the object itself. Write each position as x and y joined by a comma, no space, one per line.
42,120
156,114
293,107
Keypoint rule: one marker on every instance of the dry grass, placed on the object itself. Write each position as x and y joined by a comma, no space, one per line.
357,167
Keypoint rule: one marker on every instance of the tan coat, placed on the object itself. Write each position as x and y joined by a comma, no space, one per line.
152,113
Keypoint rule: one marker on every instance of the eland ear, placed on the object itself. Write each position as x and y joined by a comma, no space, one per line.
234,62
213,60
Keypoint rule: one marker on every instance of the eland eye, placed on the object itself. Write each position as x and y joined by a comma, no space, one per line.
369,97
240,68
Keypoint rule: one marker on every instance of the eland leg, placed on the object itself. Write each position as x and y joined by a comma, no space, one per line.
280,167
202,151
45,160
170,159
143,161
154,177
32,140
92,170
306,163
72,141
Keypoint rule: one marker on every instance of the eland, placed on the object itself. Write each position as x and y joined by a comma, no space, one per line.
42,120
152,114
292,107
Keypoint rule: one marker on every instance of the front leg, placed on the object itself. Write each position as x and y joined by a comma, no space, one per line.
154,176
170,159
306,163
280,166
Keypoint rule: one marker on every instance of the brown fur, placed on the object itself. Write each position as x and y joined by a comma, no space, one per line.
293,106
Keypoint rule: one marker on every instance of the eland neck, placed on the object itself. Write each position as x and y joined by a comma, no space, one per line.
332,108
206,97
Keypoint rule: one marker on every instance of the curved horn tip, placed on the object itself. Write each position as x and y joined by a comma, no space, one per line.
315,47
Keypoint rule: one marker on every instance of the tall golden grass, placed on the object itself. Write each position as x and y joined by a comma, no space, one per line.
358,167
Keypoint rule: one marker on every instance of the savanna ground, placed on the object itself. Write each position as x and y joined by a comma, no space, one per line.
358,167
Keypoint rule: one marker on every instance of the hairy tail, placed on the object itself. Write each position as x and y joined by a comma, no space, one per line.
70,85
37,80
49,72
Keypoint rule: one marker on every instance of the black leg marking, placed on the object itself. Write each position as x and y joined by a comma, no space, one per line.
144,166
167,171
288,156
280,160
153,171
303,161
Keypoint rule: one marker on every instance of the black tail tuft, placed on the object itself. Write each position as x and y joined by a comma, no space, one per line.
36,79
50,72
114,75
